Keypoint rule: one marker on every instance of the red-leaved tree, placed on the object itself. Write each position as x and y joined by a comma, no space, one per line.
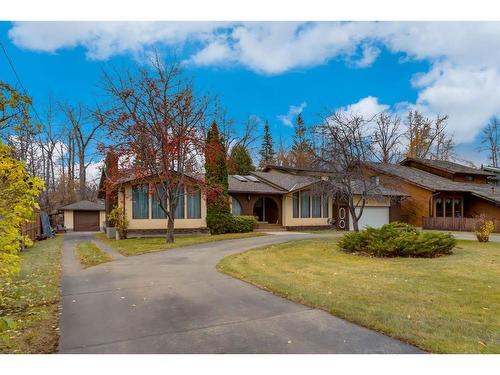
155,120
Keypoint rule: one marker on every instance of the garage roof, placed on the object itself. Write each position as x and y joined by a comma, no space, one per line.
83,206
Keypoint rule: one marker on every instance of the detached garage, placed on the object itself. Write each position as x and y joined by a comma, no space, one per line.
84,216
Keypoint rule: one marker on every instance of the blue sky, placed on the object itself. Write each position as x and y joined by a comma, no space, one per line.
273,70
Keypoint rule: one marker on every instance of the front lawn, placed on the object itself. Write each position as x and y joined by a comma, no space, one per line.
448,304
90,255
138,246
31,301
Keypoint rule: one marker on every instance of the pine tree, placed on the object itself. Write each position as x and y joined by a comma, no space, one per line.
240,162
302,151
266,151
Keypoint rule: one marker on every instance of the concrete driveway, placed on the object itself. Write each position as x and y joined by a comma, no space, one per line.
176,302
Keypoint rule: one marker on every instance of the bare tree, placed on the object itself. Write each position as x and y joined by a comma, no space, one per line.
491,141
428,138
158,122
347,146
84,129
387,138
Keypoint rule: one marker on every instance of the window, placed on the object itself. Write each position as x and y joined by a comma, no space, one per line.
439,207
140,202
469,178
448,208
305,203
295,198
325,205
156,210
374,180
179,209
457,207
316,205
236,207
194,204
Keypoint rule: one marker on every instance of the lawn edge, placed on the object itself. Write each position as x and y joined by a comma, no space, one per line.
305,303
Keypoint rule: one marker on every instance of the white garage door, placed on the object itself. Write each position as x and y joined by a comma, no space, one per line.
373,216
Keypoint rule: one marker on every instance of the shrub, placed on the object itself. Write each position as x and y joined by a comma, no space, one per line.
118,219
220,221
398,240
484,227
242,224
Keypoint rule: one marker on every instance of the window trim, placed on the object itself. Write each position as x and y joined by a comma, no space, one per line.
148,212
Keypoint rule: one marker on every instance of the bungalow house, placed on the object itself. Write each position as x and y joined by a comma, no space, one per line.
441,194
279,198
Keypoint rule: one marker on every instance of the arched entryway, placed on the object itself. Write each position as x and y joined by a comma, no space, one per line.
266,210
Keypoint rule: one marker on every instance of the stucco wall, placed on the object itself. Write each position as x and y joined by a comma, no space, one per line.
290,221
148,224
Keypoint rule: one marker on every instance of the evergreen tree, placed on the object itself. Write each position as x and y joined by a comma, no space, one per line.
216,174
240,162
302,151
266,151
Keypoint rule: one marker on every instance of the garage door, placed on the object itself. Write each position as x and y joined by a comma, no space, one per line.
86,221
374,217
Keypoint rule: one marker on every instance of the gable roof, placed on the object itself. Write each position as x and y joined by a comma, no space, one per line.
447,166
286,181
436,183
248,186
83,206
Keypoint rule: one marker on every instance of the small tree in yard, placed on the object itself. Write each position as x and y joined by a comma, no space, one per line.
216,178
157,120
346,147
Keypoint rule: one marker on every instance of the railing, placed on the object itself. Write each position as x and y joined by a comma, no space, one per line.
466,224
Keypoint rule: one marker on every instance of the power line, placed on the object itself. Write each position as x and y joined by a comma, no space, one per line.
11,64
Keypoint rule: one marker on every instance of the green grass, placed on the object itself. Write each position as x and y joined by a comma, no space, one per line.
31,301
449,304
90,255
138,246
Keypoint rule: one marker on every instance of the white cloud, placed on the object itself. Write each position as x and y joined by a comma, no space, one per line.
367,107
464,57
293,111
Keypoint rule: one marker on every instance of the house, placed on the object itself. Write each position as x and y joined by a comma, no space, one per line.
297,198
441,194
279,198
495,178
84,216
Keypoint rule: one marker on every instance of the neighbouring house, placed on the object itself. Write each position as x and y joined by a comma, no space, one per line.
495,171
84,216
295,199
441,194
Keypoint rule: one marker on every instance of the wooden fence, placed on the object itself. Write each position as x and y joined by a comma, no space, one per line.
466,224
32,229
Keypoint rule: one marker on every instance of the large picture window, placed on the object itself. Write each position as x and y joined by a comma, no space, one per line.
295,198
194,204
325,205
140,202
235,207
179,209
305,203
157,212
316,205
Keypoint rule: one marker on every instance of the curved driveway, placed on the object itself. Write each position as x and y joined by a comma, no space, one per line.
176,302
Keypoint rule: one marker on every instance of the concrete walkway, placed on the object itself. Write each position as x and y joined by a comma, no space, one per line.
176,302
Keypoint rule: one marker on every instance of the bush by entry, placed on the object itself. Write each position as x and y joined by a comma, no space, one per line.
398,240
446,305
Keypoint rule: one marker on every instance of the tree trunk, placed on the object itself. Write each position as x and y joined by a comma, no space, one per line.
170,230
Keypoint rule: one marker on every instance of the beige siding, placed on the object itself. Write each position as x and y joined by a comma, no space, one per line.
150,223
68,219
102,218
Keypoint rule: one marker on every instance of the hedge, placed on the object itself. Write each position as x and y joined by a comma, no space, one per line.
398,240
220,222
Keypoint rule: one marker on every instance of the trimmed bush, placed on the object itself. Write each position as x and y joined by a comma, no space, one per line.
398,240
220,222
242,224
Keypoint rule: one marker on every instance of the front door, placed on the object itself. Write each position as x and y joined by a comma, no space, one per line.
341,216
